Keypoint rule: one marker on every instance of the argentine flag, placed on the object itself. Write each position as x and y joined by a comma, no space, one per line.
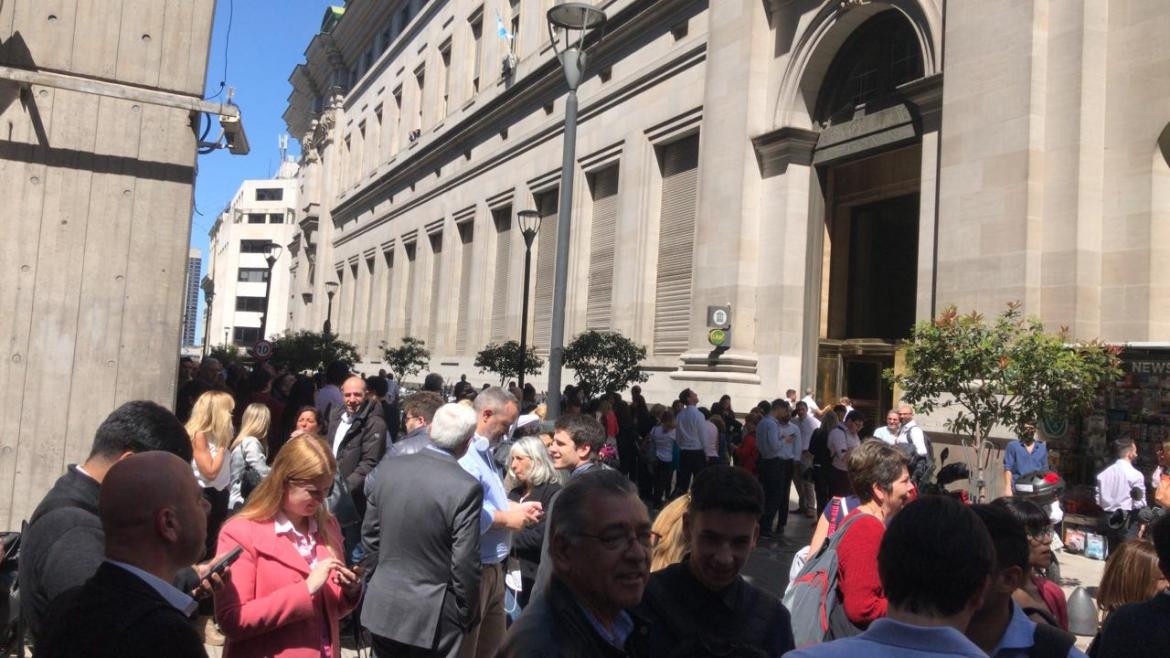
501,29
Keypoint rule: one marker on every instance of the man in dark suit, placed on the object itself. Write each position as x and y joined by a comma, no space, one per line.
357,434
64,543
422,520
155,521
1142,629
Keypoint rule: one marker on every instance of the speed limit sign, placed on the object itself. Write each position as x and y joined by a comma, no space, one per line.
262,350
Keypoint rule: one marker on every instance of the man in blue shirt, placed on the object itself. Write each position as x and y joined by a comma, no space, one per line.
933,540
496,410
1000,627
1023,456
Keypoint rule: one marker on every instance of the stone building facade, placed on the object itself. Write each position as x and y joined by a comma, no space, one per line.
833,170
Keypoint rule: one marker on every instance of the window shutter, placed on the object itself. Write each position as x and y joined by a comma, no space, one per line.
436,277
599,311
408,311
466,233
368,318
546,256
389,292
503,221
676,241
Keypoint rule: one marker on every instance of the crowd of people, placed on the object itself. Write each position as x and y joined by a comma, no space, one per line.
455,521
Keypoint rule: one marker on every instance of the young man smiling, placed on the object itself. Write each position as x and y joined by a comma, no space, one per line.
702,606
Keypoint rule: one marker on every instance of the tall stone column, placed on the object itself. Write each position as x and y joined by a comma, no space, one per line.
725,253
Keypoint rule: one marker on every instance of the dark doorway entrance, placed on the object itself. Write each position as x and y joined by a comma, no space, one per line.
883,269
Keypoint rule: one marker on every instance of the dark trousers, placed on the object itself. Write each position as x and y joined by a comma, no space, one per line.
663,474
690,462
1115,536
776,478
218,500
820,476
445,645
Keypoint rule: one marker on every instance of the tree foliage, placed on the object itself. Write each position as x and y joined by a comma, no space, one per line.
605,361
504,360
225,354
311,351
409,358
1006,372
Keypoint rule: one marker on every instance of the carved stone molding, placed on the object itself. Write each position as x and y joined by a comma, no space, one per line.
784,146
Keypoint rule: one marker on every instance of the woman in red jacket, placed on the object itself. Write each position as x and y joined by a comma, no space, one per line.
746,453
290,586
880,477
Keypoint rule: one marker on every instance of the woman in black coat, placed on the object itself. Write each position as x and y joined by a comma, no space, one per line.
536,479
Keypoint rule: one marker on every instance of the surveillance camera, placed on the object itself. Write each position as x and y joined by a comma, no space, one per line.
233,134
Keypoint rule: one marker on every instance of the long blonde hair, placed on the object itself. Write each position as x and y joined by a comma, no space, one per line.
212,415
305,457
255,423
668,527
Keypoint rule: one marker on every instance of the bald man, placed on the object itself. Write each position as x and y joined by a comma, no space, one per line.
155,521
357,434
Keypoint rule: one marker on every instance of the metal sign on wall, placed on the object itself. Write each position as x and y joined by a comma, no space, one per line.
719,325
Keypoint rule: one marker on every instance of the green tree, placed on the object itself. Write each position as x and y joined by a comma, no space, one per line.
605,361
409,358
1008,372
225,354
311,351
504,360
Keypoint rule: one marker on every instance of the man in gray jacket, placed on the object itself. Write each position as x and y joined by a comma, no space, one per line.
419,410
423,595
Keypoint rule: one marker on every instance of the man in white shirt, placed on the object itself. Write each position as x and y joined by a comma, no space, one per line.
690,432
1121,492
809,400
807,424
910,432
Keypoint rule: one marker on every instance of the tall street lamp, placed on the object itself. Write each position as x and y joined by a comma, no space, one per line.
529,227
330,290
271,256
208,286
573,20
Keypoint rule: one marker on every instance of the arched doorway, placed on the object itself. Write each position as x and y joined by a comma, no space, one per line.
868,160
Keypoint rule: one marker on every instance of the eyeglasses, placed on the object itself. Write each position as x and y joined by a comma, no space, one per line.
616,541
1042,536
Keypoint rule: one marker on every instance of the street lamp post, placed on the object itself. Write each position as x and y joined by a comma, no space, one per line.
573,19
226,332
271,256
208,286
330,290
529,227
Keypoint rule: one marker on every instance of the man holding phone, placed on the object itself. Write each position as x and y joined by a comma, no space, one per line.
64,544
155,521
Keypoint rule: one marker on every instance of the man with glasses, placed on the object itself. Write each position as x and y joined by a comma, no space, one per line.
600,543
702,606
420,408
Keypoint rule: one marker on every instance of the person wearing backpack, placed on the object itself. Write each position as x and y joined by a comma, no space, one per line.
702,606
838,593
934,562
1000,626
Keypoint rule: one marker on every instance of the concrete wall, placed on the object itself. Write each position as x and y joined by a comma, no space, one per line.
95,218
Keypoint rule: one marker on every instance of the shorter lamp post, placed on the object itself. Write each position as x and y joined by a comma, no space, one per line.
529,227
573,20
272,255
330,290
226,332
208,286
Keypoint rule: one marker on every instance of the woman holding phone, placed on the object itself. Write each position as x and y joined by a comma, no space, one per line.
290,587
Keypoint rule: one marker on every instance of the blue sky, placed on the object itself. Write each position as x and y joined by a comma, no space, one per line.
268,38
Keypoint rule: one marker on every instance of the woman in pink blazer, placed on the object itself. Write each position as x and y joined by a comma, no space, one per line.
290,586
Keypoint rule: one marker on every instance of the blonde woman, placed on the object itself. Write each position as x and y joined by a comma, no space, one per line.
249,451
210,430
669,540
290,587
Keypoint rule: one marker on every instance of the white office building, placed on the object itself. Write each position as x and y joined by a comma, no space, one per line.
256,224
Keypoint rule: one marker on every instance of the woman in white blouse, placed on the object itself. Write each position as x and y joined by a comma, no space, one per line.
249,450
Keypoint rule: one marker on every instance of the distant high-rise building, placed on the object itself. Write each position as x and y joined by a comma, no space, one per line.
191,300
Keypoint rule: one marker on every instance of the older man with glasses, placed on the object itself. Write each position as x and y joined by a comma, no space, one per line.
601,562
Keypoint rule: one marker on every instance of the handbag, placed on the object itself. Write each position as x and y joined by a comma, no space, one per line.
249,480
